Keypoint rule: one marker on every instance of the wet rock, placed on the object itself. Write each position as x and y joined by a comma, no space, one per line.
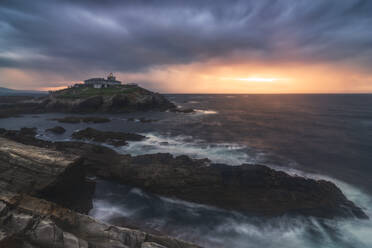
151,245
142,120
183,110
56,130
45,173
79,119
253,189
29,173
32,222
112,138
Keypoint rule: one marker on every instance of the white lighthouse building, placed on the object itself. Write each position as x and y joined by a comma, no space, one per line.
102,82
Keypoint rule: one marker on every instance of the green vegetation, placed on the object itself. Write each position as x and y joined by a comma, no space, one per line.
86,92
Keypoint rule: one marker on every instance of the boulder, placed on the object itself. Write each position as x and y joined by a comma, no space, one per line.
45,173
79,119
112,138
183,110
56,130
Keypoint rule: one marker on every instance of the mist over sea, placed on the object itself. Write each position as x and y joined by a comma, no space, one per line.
317,136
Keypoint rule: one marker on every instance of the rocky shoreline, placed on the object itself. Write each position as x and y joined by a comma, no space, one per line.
39,187
45,193
253,189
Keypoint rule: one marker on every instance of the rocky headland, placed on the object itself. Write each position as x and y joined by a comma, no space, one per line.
115,99
123,98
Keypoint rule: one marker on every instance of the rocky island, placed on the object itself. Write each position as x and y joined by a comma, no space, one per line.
115,99
97,96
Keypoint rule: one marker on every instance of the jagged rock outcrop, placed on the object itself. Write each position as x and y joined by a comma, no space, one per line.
112,138
29,222
79,119
45,173
183,110
56,130
34,183
254,189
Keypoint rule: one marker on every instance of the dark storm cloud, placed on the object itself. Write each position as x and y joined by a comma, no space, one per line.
127,36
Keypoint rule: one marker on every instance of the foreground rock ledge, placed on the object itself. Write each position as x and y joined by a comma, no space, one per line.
46,173
29,173
29,222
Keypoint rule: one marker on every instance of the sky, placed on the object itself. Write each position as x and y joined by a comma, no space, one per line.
193,46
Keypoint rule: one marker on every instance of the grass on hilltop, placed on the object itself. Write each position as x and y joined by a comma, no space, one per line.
86,92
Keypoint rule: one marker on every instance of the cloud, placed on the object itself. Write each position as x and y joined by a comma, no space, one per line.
77,38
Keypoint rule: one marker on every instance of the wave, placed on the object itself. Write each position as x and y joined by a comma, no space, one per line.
213,227
228,153
230,229
206,112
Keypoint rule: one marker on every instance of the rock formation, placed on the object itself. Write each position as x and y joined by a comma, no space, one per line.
114,99
32,181
45,173
29,222
79,119
112,138
117,99
253,189
56,130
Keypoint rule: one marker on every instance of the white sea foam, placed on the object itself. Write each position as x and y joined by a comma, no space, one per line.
206,112
104,210
240,231
232,154
221,228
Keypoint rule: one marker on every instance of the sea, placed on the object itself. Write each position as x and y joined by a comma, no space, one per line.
320,136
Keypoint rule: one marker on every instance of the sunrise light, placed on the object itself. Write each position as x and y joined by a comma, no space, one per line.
253,79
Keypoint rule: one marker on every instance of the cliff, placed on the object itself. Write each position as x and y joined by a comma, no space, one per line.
33,181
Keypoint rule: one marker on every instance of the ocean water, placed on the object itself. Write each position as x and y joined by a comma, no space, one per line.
317,136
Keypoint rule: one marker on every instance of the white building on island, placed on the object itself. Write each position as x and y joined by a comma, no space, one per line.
99,83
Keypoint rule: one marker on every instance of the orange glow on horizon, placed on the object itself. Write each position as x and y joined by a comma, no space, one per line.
221,77
253,79
230,77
